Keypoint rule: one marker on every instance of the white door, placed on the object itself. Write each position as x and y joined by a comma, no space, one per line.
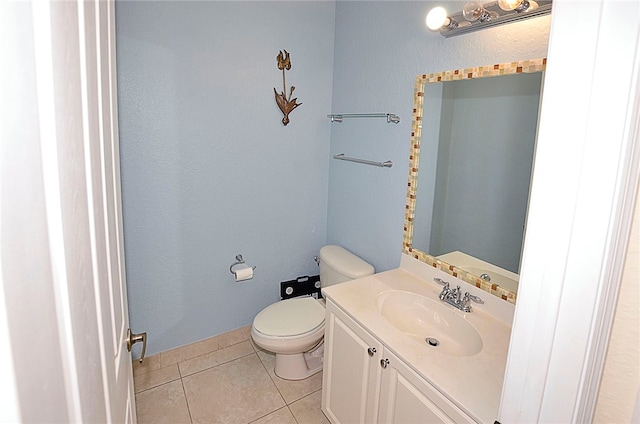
63,280
103,168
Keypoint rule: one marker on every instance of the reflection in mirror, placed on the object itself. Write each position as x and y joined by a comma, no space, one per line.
467,203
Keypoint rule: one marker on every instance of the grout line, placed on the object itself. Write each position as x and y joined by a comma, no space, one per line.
306,396
287,405
181,376
272,378
206,353
156,386
179,371
186,399
273,381
269,413
217,365
293,415
163,365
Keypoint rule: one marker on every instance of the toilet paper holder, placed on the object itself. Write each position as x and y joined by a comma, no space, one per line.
239,261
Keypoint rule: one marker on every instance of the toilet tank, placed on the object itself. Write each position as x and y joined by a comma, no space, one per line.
338,265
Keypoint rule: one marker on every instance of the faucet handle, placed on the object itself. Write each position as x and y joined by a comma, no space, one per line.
445,290
468,296
442,282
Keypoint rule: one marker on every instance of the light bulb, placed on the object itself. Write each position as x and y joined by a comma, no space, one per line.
436,18
472,11
518,5
475,11
509,4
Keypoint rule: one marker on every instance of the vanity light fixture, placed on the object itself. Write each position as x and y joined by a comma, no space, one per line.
476,16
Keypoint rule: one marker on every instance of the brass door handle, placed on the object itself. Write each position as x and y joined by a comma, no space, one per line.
135,338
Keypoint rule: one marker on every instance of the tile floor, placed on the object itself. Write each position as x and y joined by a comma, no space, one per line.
224,379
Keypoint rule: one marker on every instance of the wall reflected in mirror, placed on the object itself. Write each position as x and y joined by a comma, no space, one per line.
472,149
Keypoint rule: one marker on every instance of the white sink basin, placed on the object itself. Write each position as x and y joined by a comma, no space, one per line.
429,322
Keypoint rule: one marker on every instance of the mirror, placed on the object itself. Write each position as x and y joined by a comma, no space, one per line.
467,197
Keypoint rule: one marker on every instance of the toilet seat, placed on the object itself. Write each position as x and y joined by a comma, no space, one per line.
290,318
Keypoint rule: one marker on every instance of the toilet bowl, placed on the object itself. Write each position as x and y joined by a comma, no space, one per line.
293,329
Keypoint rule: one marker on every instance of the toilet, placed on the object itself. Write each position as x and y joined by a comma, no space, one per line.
293,329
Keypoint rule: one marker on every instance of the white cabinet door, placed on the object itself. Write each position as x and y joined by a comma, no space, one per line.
405,397
351,378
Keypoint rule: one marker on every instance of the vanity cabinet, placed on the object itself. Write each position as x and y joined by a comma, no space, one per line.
405,397
364,382
351,376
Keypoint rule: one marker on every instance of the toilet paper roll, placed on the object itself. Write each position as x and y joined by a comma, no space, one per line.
243,273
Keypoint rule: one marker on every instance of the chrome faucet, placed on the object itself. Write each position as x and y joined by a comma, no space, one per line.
455,298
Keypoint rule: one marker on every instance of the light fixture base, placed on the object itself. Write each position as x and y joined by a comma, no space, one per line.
504,17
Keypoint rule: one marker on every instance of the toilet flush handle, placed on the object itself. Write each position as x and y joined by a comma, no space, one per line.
135,338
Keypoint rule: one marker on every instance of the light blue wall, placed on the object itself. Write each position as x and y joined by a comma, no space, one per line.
380,48
208,169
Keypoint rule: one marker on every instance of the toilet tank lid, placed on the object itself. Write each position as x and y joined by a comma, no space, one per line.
345,262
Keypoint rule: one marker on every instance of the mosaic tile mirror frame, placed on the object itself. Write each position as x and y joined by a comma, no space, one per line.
528,66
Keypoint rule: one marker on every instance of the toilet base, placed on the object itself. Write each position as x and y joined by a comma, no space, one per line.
299,366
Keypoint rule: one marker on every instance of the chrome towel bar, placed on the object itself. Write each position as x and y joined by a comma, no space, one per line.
385,164
338,117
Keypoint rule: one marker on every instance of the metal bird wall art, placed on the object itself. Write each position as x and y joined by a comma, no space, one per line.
285,104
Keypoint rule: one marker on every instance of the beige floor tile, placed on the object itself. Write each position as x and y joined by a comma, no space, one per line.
192,350
155,378
281,416
289,389
216,358
150,363
163,404
236,336
239,391
307,410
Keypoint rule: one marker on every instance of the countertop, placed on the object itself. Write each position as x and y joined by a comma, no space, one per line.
473,383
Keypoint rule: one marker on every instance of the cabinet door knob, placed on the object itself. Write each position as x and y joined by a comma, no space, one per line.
384,363
371,351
